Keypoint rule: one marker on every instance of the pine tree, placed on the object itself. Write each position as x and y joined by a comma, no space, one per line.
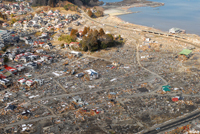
84,31
101,32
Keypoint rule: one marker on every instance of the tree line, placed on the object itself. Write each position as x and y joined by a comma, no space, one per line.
53,3
93,40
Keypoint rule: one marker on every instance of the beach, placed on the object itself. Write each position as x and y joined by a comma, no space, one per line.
115,20
117,8
164,16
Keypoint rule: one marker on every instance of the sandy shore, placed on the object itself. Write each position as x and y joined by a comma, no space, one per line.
114,20
120,10
115,12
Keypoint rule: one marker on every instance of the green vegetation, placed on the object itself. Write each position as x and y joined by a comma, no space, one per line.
85,2
90,13
62,45
96,40
67,38
101,32
74,33
5,48
13,21
6,59
92,40
53,3
71,7
96,14
38,34
12,15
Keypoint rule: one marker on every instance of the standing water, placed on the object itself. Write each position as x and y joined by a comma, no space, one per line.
184,14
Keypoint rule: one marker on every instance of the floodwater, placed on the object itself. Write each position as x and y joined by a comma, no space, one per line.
184,14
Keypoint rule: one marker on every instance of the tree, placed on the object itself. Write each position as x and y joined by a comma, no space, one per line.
88,29
51,3
52,30
73,32
107,39
69,39
96,33
4,48
90,13
71,7
84,46
119,37
101,32
95,41
84,31
6,59
66,7
110,36
62,45
98,13
91,31
12,15
13,21
94,44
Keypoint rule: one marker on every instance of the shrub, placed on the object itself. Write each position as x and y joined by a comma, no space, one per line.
6,59
73,32
98,13
62,45
12,15
90,13
103,45
71,7
67,38
13,21
38,34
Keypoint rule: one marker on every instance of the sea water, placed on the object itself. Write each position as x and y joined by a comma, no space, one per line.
184,14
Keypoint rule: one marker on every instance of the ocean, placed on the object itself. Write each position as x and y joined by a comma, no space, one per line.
184,14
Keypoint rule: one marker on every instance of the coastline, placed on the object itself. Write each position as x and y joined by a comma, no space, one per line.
115,20
115,10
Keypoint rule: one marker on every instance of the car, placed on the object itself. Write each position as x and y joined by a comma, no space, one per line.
109,66
158,128
80,75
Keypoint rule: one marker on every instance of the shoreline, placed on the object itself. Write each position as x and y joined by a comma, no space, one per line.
114,10
192,38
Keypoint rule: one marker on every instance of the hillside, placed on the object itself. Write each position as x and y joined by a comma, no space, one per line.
54,3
